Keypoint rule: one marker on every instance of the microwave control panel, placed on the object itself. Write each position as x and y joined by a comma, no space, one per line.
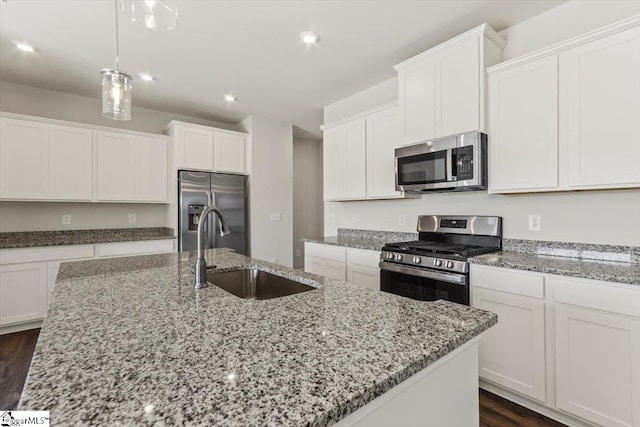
463,163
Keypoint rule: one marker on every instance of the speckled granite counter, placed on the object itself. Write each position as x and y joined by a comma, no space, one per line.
129,341
27,239
598,262
372,240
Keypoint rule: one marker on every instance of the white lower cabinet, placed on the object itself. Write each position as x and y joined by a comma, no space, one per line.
28,275
566,346
357,266
512,353
23,292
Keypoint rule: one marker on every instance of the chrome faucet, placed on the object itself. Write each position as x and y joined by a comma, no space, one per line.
200,269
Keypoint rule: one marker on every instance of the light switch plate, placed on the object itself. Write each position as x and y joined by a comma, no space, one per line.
276,216
66,219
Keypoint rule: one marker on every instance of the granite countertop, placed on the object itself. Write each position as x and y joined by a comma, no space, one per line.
28,239
372,240
129,341
596,269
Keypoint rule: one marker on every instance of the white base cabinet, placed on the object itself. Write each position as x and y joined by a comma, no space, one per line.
564,346
28,275
352,265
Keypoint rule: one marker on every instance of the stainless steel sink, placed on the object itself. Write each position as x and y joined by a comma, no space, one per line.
256,284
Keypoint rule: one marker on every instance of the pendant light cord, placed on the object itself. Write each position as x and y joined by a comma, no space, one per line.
116,8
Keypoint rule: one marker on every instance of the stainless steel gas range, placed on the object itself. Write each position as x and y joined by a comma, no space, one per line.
435,266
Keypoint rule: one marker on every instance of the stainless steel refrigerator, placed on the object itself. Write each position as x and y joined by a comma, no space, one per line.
197,190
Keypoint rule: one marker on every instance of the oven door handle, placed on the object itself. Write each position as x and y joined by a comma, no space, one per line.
458,279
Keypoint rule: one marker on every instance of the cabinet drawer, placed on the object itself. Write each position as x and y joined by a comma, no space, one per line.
363,257
507,280
598,295
335,253
39,254
108,250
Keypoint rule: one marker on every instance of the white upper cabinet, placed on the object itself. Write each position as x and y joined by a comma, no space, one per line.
442,91
195,148
383,129
151,169
523,106
24,159
457,83
229,152
116,166
345,161
603,104
70,163
567,117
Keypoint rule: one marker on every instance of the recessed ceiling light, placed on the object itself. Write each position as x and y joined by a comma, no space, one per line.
146,77
229,98
25,47
309,37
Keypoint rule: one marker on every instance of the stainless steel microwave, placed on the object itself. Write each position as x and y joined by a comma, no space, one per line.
453,163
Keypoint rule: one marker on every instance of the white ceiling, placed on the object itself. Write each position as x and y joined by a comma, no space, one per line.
248,48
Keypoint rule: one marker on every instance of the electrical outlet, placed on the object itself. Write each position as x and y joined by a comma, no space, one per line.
273,261
276,216
402,219
66,219
535,222
132,217
333,217
297,252
354,219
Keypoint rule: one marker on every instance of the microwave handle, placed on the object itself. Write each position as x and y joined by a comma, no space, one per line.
449,165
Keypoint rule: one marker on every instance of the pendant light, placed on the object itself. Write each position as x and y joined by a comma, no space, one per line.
153,14
116,88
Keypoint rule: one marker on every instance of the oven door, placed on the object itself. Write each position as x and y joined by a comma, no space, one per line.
423,284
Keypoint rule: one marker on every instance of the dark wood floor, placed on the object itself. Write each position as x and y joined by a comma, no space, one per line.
17,349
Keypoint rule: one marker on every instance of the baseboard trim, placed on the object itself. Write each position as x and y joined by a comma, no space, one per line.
9,329
534,406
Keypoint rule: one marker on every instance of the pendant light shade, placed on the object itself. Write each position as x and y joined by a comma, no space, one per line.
153,14
116,94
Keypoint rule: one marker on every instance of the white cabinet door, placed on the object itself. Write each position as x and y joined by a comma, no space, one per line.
383,136
598,366
195,148
355,171
416,97
523,145
229,153
512,353
70,163
457,87
364,275
603,102
334,163
116,166
335,270
314,265
24,159
151,170
23,292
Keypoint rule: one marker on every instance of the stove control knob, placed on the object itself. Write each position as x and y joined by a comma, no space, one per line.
417,260
449,264
399,257
437,262
390,256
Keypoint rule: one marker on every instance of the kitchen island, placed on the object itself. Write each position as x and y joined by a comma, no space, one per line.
130,341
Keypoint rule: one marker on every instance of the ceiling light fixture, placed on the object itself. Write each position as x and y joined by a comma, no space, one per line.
25,47
229,98
309,37
146,77
153,14
116,88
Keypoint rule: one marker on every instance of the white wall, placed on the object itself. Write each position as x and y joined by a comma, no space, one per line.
382,93
20,216
606,217
307,195
270,188
42,216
